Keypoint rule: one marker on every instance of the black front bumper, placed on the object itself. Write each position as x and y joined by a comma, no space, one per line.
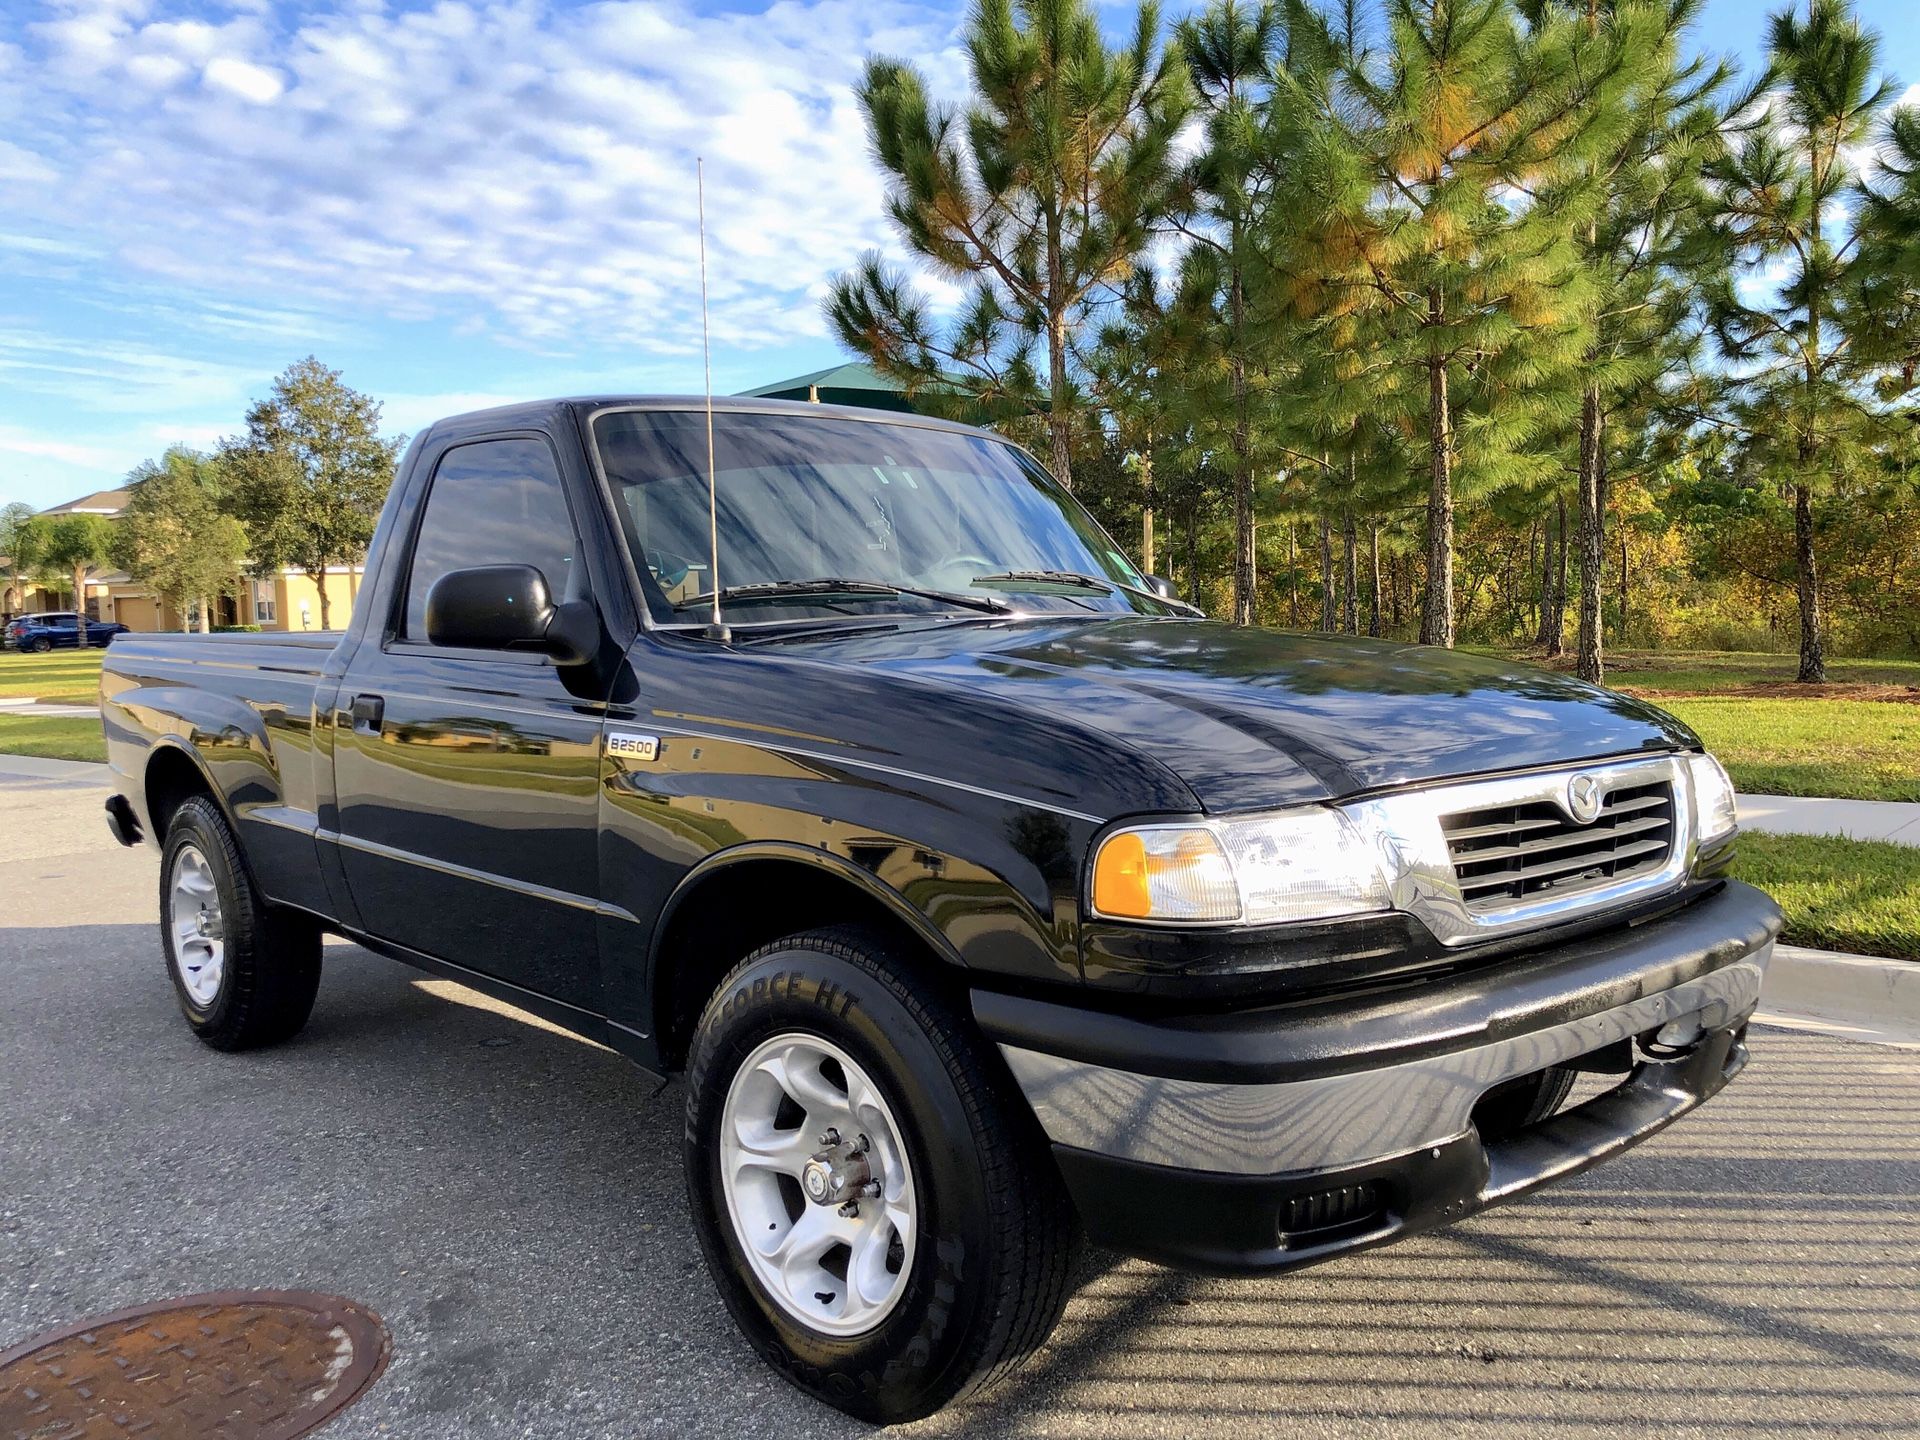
1178,1139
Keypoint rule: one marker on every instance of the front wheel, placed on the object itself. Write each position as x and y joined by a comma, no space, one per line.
876,1205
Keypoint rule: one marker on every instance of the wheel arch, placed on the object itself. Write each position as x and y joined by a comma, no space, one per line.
739,899
174,772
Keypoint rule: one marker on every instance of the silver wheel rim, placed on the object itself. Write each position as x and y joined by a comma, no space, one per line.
199,939
817,1184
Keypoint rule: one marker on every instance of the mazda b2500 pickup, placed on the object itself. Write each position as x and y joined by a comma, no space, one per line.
987,896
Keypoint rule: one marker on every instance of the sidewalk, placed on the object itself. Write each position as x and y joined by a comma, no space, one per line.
19,705
1855,819
36,769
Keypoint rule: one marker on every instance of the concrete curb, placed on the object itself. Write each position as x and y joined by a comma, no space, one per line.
1856,997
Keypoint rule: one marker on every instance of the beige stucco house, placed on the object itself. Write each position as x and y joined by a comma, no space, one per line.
287,600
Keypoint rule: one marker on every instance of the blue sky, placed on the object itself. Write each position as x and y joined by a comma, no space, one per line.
454,203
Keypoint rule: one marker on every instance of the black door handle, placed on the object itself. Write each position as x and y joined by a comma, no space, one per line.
368,712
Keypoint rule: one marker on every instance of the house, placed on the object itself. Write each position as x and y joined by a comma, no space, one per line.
285,600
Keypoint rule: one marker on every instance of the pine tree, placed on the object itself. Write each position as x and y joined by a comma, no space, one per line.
1228,49
1038,197
1435,201
1781,193
1640,246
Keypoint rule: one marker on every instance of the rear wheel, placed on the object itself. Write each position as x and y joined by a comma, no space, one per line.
876,1205
40,646
244,971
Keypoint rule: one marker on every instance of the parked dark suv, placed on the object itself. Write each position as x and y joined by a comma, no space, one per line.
59,629
986,895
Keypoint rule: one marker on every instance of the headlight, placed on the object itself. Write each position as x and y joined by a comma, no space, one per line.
1714,816
1306,864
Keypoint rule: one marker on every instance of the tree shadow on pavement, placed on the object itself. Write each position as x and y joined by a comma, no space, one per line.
510,1200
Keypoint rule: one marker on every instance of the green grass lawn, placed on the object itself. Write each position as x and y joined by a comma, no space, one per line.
1855,738
1699,671
65,677
68,677
1861,896
1849,749
54,736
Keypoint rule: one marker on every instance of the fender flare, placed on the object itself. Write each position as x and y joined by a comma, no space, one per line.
194,758
792,851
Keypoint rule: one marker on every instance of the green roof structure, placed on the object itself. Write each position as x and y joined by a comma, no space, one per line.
849,384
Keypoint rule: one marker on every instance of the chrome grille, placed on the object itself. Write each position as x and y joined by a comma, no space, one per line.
1509,855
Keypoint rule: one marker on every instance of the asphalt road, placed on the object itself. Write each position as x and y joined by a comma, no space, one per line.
509,1199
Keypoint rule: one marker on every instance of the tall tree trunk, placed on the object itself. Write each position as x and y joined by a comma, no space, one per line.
1557,622
1533,561
1243,552
206,606
1373,596
1436,618
1813,648
1059,430
1590,663
1544,614
326,606
1193,552
1326,573
1623,583
1146,505
1349,574
1293,574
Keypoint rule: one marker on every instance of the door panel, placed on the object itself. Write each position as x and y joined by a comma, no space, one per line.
468,819
467,781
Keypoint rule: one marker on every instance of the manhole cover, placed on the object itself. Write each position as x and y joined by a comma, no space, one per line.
241,1365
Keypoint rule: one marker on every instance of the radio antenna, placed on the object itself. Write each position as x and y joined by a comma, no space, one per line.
716,627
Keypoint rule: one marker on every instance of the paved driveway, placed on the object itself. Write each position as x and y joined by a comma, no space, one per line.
509,1200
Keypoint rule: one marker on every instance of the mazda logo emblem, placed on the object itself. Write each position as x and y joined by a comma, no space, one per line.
1583,798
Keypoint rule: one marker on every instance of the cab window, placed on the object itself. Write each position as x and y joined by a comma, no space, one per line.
494,502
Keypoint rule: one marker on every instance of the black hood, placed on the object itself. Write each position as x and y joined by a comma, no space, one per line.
1251,719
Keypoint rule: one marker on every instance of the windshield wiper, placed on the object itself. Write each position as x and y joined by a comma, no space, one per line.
778,590
1083,582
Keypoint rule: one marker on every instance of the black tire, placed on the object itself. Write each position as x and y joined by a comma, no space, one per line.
270,970
996,1236
41,646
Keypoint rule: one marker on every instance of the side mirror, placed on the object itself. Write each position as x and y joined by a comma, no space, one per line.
508,607
1162,587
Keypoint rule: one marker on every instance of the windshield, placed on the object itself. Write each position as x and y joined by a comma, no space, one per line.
900,507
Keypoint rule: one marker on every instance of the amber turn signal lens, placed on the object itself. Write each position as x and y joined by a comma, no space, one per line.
1120,878
1164,873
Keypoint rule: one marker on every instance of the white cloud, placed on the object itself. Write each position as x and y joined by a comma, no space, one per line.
20,442
24,167
523,168
254,83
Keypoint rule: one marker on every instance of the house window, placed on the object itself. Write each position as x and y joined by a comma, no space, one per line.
264,610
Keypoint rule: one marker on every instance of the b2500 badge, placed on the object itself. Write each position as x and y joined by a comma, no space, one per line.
633,747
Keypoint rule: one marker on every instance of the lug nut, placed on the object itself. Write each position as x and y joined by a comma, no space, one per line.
831,1138
850,1211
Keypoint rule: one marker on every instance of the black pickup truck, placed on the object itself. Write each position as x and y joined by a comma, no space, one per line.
988,896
